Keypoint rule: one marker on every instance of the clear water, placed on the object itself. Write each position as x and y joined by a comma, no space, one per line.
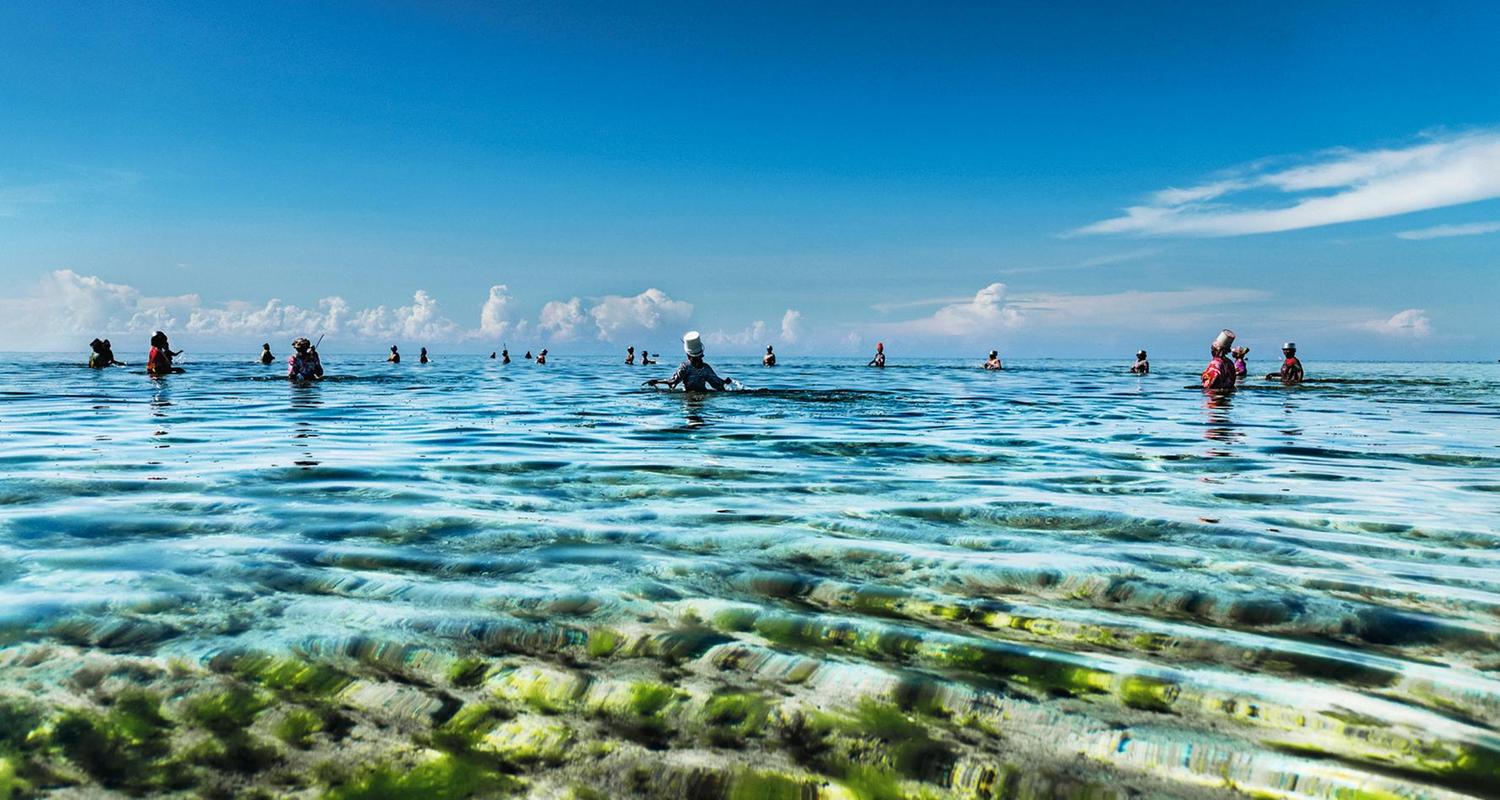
1068,578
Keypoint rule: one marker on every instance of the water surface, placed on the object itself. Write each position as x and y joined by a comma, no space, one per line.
1056,580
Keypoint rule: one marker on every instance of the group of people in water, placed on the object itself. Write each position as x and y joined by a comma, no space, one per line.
1226,368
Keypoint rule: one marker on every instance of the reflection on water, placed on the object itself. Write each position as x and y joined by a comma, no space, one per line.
1058,580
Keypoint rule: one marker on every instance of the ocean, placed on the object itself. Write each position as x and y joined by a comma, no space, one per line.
464,579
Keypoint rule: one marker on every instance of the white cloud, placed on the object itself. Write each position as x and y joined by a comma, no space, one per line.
615,316
494,315
1409,324
751,336
1443,231
791,326
993,309
562,320
987,310
422,320
1338,186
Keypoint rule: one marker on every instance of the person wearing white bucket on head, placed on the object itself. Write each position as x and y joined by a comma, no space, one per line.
695,374
1219,375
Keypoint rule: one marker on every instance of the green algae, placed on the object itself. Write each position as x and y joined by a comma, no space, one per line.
128,748
735,715
603,642
766,786
290,675
228,710
297,727
468,672
441,777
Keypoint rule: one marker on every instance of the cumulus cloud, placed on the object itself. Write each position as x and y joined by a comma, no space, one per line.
494,315
561,320
1444,231
987,310
423,320
993,309
752,336
652,309
791,326
1409,324
1332,187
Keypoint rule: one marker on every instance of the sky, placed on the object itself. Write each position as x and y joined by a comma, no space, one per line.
1045,179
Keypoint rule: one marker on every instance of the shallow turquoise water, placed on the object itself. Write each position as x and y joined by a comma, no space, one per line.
1290,591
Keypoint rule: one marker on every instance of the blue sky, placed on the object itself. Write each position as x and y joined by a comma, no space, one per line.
1059,179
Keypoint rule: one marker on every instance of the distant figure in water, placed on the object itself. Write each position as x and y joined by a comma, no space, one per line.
646,358
1141,365
541,358
630,356
695,374
504,356
879,359
1240,367
265,354
304,365
492,355
395,356
1291,369
422,356
103,355
1218,376
769,359
994,361
529,356
159,360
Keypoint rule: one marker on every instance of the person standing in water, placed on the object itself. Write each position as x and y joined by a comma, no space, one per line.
695,375
1240,367
630,356
769,359
1291,369
304,364
395,356
159,360
504,356
103,355
541,358
879,359
265,356
529,356
1141,365
1218,376
422,356
646,358
994,361
492,355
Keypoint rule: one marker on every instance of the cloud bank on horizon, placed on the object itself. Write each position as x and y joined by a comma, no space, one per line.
66,308
1333,187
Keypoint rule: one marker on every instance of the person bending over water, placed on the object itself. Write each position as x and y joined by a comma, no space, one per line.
159,360
1141,365
103,355
1218,376
1240,367
994,361
395,356
422,356
695,374
630,356
541,358
1291,369
265,354
304,365
529,356
769,359
879,359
